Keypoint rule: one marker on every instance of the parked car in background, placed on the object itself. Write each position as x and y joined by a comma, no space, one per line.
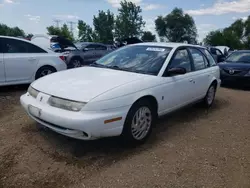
87,53
217,54
124,92
54,42
22,62
236,68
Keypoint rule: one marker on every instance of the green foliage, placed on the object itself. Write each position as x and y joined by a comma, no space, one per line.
177,27
85,32
147,36
104,26
129,22
11,31
236,36
62,31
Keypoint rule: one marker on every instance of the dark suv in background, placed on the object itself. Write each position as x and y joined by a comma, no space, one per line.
87,53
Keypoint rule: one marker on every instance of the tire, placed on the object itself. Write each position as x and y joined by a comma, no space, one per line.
210,96
76,62
44,71
130,134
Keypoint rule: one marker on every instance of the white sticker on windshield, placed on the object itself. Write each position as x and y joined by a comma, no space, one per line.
155,49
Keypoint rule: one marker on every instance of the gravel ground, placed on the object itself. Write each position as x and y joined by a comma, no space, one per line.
190,148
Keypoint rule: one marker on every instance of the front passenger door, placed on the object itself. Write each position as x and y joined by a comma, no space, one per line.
89,54
179,90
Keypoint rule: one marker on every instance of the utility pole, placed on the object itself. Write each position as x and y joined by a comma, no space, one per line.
71,25
57,22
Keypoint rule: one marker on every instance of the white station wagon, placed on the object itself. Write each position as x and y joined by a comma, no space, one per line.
124,92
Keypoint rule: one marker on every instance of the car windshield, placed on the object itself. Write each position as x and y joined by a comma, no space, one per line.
241,57
139,58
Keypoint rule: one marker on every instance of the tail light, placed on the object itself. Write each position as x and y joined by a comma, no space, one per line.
62,58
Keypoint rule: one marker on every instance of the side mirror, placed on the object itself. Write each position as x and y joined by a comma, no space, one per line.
176,71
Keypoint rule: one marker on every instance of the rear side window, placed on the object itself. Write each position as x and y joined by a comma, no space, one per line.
209,57
100,47
17,46
1,45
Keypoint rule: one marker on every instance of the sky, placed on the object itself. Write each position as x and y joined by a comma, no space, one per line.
33,16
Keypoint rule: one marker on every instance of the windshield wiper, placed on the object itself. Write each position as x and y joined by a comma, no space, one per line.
94,64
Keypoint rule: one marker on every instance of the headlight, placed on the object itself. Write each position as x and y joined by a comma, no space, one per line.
66,104
33,92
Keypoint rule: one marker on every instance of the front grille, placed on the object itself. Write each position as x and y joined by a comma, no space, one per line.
232,71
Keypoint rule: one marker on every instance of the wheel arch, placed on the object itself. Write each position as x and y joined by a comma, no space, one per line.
149,98
43,66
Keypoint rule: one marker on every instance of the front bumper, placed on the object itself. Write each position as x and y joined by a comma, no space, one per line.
239,80
84,125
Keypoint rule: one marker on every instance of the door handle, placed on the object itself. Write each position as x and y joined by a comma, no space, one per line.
191,80
32,59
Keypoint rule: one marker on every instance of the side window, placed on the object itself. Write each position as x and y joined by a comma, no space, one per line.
218,52
91,47
200,61
17,46
209,57
181,59
34,49
100,47
1,45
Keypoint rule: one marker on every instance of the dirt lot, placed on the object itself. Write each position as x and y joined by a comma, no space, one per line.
191,148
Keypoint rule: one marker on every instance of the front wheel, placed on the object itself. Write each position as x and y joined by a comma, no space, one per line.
138,124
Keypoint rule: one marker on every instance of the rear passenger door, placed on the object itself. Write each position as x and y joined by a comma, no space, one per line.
202,73
2,69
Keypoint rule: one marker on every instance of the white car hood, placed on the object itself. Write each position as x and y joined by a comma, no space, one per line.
84,84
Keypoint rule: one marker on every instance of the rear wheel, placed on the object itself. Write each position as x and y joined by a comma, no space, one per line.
138,123
76,62
209,98
44,71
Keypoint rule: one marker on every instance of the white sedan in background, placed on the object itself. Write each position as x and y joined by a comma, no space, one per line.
22,62
123,92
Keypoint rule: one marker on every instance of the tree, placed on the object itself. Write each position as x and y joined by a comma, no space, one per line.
147,36
129,22
66,33
177,27
104,26
214,38
61,31
85,32
236,36
9,31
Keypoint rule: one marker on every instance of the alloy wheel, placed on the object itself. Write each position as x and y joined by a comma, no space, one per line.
141,123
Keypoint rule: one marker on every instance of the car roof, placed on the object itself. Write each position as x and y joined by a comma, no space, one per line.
86,43
25,40
166,44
